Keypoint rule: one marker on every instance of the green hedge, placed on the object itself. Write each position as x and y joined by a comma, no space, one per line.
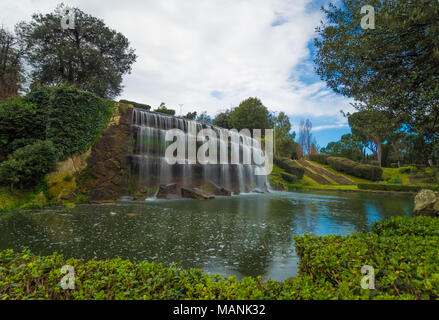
403,252
399,226
289,166
291,178
356,169
29,165
136,105
72,118
320,158
396,187
165,111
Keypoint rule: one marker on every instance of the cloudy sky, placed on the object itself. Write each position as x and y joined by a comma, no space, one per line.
208,55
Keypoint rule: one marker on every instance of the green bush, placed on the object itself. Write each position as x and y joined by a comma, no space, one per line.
165,111
29,165
401,226
291,178
396,187
21,123
136,105
289,166
72,118
321,158
402,251
356,169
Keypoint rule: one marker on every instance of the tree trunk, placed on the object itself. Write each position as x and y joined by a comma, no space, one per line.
379,153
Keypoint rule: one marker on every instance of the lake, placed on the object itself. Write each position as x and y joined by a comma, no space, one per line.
246,235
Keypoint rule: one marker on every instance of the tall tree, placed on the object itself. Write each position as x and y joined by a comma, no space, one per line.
392,67
373,127
250,114
91,56
349,146
283,137
11,71
223,119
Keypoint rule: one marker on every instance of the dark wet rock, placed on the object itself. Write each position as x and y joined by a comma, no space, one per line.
141,194
258,190
105,175
167,191
196,193
213,188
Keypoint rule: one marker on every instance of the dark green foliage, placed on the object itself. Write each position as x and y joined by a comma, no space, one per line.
91,56
250,114
291,178
11,66
29,164
400,226
349,146
163,109
136,105
289,166
72,118
21,122
321,158
402,251
355,169
396,187
406,264
223,119
283,138
191,115
392,67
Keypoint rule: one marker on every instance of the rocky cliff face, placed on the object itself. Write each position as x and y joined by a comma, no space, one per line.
106,176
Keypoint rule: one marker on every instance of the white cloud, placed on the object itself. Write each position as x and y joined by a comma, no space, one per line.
210,55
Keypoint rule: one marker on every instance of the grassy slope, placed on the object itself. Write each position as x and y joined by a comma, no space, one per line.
390,176
10,200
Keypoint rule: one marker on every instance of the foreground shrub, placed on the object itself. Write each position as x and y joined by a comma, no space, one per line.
400,226
406,263
29,165
404,253
289,166
355,169
396,187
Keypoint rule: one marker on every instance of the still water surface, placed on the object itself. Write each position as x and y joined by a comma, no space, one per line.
246,235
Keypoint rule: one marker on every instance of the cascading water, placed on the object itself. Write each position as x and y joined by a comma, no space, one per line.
150,167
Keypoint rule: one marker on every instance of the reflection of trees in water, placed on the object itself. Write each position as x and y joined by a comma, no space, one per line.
343,213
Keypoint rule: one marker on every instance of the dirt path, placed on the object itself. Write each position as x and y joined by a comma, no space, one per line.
322,171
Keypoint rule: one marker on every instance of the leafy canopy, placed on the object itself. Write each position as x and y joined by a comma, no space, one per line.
91,56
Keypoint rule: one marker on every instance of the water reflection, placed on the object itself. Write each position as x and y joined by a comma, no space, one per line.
244,235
